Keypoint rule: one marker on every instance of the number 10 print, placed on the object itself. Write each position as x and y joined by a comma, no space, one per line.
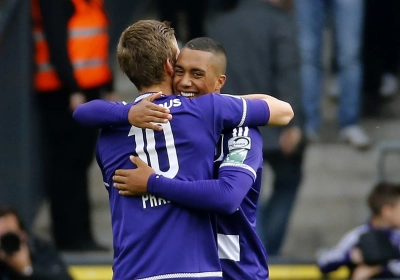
151,149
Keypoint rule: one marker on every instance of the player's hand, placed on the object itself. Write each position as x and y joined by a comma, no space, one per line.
146,114
364,272
290,139
133,181
76,99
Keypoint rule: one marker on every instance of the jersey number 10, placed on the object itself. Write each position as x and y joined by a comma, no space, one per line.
150,148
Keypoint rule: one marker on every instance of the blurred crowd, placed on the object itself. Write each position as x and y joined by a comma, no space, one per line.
273,46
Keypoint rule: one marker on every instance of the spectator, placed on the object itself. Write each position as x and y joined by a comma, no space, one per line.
348,21
381,53
71,56
268,62
24,256
371,250
192,19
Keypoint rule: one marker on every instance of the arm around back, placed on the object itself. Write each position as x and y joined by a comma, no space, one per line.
281,112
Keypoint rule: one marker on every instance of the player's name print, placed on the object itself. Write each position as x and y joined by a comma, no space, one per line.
150,200
171,103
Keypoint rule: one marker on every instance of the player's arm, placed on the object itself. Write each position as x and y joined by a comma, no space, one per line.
223,195
238,111
101,113
281,112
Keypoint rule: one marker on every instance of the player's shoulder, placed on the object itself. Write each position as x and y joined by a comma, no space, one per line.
170,101
218,98
124,103
205,101
230,95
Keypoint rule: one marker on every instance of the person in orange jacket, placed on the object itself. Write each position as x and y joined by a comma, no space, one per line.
71,67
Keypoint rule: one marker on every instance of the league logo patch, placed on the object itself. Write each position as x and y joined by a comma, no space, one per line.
239,142
236,157
238,149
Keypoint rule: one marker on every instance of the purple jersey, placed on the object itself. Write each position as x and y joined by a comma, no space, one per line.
234,196
241,252
153,238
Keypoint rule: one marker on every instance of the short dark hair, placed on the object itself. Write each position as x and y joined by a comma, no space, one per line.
143,49
8,210
383,193
207,44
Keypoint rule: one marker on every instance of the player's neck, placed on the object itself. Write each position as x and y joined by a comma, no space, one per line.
379,222
163,87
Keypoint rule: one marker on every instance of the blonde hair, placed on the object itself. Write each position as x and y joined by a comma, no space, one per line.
143,49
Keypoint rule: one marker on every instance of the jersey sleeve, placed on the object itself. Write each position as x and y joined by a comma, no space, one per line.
101,113
233,111
225,112
244,151
225,194
222,195
257,114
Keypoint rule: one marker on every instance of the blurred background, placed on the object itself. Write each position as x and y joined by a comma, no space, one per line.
338,168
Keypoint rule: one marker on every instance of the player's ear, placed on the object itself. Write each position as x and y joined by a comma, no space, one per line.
169,67
220,82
